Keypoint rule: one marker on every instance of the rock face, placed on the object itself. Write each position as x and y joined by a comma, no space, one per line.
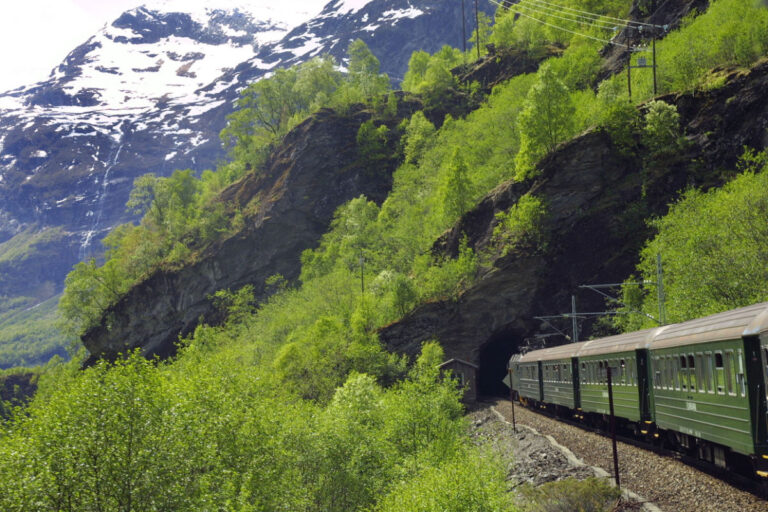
597,202
314,171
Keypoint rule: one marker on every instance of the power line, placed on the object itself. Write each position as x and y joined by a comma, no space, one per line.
607,41
590,22
630,22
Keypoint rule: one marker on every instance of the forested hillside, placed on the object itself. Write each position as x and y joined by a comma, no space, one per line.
285,398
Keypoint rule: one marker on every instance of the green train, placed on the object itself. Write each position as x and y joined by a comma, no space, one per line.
698,386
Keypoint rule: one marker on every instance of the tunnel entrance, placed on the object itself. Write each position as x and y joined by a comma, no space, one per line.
494,355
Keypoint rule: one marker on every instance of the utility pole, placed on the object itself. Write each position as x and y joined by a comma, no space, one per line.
654,65
463,27
512,401
629,64
613,430
660,291
477,25
574,325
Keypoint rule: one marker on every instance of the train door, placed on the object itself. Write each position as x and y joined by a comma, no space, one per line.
764,365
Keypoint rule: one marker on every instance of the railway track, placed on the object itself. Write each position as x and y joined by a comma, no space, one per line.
664,478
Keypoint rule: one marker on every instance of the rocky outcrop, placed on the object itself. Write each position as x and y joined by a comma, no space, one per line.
314,170
597,202
501,64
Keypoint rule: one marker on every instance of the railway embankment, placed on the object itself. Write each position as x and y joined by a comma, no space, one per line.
663,481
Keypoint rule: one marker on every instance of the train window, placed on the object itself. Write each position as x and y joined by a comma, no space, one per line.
692,377
683,374
730,374
700,373
719,373
740,380
623,372
667,373
677,372
708,371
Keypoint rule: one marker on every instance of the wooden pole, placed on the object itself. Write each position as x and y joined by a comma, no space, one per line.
654,65
512,401
613,430
477,25
629,66
463,27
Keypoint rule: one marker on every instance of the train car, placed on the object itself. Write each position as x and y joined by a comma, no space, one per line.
709,380
700,385
549,376
627,356
525,371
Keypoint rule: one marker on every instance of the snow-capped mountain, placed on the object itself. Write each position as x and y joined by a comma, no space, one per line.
151,91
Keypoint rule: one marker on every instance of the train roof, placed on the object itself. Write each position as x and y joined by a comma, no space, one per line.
627,342
549,354
729,325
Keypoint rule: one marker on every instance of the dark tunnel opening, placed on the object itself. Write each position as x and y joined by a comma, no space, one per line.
494,355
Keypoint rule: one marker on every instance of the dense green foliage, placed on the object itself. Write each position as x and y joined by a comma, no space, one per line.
523,224
713,247
181,217
216,431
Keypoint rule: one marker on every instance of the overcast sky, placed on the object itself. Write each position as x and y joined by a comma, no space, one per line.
36,35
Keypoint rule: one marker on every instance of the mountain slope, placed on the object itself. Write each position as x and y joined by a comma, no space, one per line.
150,93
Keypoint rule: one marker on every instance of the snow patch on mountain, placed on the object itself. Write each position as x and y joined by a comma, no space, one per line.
266,10
350,6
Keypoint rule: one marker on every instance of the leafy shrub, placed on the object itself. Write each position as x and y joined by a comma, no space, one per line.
546,120
522,223
570,495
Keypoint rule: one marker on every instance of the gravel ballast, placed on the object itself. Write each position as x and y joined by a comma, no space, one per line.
664,481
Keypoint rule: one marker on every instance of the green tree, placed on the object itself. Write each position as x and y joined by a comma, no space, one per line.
546,121
661,133
714,248
372,142
419,136
455,190
364,83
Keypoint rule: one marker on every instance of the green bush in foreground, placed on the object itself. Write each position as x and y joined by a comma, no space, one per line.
570,495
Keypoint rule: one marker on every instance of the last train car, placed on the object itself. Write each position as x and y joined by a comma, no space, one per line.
548,376
709,386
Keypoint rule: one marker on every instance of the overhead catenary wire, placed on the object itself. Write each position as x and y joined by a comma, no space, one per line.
568,16
606,41
565,8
